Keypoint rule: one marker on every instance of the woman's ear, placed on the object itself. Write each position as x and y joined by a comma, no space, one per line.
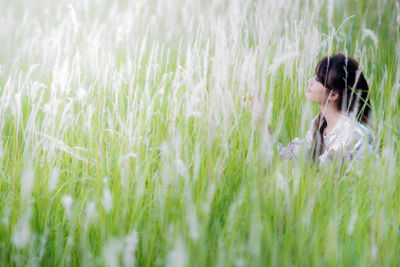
334,95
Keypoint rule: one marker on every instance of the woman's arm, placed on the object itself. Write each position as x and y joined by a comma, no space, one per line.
296,146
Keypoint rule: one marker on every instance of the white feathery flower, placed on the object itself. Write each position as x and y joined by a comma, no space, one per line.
91,212
126,157
74,18
22,230
107,200
5,216
350,227
111,252
280,60
55,174
177,256
369,33
67,201
191,219
27,179
1,150
130,245
81,93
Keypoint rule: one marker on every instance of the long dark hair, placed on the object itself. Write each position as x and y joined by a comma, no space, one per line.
341,74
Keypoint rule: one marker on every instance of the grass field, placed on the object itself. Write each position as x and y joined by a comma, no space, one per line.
124,139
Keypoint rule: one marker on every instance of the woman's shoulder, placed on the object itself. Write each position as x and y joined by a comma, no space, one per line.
354,131
351,139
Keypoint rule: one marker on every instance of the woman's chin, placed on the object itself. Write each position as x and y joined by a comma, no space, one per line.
311,100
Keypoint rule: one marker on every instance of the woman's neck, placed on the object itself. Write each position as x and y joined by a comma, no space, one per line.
332,116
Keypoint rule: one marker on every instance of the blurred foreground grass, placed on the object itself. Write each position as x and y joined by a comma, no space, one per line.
124,140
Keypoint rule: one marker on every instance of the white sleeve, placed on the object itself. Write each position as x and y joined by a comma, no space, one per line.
359,148
354,148
298,145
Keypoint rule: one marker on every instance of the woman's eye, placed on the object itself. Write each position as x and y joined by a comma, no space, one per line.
316,78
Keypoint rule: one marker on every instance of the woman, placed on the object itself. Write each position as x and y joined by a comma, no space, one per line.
341,130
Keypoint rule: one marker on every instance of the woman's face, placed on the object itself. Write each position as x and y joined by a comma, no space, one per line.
316,91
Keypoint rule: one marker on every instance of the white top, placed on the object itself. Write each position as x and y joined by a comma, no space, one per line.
349,139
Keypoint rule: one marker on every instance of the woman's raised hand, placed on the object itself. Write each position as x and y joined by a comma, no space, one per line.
255,104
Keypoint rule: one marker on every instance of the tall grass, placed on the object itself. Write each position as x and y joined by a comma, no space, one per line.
124,139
